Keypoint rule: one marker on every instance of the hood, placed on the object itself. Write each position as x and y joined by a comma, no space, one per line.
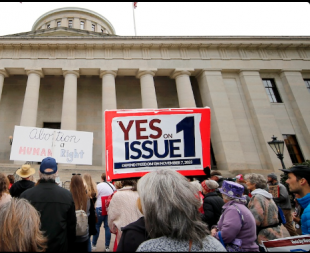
138,225
262,192
23,184
304,201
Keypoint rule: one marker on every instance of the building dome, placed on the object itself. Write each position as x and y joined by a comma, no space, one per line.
74,18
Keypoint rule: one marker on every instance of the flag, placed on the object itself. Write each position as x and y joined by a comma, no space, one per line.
135,5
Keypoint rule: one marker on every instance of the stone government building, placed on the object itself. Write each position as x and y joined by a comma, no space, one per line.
72,66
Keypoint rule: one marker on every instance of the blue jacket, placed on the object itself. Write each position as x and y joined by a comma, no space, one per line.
305,217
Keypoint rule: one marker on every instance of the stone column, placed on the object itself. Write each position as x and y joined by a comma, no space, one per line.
184,88
3,74
225,139
30,107
262,117
108,100
148,93
69,102
295,88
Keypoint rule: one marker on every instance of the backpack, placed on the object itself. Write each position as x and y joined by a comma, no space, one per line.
105,201
81,223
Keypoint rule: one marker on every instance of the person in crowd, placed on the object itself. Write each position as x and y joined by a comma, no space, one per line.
133,234
212,203
118,185
169,205
91,187
299,182
104,189
240,179
245,193
11,180
297,215
92,192
56,207
81,202
264,209
4,190
200,196
20,228
284,202
237,224
123,208
19,187
217,176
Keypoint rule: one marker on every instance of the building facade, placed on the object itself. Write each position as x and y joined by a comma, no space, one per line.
72,66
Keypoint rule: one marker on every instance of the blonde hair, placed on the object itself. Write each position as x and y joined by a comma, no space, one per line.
90,186
118,184
20,227
4,184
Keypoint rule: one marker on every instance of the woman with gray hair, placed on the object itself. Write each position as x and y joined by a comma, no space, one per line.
169,205
264,209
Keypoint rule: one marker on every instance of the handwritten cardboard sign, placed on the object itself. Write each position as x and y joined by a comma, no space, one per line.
274,190
140,141
34,144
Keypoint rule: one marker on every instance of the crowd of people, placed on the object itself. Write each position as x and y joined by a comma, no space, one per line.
161,211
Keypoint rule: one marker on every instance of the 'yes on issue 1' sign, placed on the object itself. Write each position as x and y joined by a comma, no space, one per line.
139,141
34,144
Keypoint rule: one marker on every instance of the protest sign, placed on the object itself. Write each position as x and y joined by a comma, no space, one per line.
274,190
34,144
140,141
289,244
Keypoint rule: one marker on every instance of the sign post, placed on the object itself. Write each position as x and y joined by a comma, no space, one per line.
140,141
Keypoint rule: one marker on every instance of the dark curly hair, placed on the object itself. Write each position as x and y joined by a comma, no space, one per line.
4,184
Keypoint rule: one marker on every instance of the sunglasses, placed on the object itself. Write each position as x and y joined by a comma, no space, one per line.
73,174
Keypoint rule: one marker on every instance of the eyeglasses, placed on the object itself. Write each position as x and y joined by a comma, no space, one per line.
73,174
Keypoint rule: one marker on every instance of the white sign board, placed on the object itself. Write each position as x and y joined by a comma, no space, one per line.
148,142
289,244
34,144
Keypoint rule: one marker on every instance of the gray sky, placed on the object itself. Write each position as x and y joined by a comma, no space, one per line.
185,19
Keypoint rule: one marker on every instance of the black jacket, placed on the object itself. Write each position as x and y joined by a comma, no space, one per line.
212,207
19,187
133,235
92,219
57,213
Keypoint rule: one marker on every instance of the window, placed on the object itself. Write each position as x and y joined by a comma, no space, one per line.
53,125
293,148
58,23
70,23
272,91
93,27
48,26
102,30
307,82
82,25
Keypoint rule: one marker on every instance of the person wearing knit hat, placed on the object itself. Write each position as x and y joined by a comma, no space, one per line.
284,202
19,187
212,203
236,224
217,176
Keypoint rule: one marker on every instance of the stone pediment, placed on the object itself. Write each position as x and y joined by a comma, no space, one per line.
59,32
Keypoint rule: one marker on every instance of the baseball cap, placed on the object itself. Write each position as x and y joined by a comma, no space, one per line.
300,170
48,163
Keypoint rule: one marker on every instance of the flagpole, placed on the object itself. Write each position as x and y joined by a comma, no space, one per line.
134,19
